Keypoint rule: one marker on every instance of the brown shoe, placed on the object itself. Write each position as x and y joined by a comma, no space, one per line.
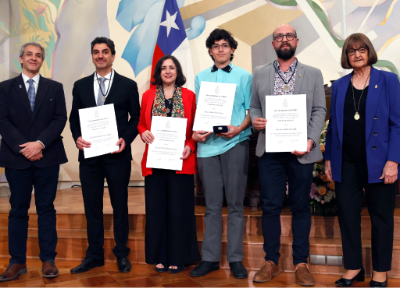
267,272
303,275
12,271
49,269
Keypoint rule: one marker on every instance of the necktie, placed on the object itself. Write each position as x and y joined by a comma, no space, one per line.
31,93
102,90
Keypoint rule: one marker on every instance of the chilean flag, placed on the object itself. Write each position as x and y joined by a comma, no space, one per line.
172,40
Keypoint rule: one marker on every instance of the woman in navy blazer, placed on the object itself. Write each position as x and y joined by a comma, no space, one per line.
362,152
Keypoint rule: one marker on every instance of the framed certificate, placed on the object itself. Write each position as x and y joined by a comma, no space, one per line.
286,128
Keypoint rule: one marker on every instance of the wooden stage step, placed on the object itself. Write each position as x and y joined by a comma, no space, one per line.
72,243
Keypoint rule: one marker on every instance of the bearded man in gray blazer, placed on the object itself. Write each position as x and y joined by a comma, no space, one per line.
287,76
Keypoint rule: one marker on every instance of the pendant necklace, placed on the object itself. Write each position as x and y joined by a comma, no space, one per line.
357,109
169,101
101,90
286,87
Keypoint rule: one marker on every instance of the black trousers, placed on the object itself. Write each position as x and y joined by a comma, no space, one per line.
92,181
381,200
274,168
45,181
171,237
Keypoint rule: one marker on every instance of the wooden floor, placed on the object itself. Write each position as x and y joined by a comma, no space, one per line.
146,276
72,243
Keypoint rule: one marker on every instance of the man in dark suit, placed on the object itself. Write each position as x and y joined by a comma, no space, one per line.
32,117
106,86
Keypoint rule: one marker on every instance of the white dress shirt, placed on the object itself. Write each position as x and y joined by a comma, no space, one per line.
107,84
35,85
35,81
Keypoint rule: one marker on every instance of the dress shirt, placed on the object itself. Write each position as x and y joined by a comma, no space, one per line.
216,145
35,81
106,84
35,85
279,83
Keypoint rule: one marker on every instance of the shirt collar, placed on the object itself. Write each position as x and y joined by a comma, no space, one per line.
107,77
227,69
291,68
35,78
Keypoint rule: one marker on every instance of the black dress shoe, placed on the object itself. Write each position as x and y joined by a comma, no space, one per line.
124,265
360,277
162,270
86,265
177,270
376,284
204,268
238,270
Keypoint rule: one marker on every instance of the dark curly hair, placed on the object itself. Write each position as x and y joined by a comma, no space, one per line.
180,78
103,40
221,34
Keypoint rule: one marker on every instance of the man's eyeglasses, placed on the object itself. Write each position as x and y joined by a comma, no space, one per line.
352,52
216,47
289,36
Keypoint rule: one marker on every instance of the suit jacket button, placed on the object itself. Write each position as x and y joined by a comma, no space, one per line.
375,133
374,147
338,146
375,118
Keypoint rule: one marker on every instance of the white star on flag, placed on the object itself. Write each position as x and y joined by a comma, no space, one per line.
170,22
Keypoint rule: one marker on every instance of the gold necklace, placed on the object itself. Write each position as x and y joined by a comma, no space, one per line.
357,115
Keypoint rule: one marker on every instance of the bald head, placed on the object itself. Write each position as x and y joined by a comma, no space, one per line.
284,29
285,42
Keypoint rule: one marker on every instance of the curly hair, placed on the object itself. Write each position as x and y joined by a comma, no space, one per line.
221,34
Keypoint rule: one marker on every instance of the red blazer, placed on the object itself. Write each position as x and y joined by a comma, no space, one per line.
189,104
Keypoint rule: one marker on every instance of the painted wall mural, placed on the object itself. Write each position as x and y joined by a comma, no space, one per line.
66,28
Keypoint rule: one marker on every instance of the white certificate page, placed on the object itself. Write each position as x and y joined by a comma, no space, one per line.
99,127
286,128
169,141
214,106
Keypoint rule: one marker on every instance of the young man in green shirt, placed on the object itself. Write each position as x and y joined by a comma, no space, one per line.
223,160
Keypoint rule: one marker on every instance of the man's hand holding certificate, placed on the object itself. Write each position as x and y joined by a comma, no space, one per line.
99,128
169,141
214,106
286,129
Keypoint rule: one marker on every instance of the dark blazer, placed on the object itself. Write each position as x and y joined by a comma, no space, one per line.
382,124
125,97
18,124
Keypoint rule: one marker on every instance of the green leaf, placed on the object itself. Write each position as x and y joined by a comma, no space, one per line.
29,16
42,23
4,27
17,65
56,3
49,49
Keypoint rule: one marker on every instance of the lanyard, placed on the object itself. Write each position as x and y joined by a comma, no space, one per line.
109,83
277,71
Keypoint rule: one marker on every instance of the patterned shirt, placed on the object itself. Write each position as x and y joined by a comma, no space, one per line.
279,83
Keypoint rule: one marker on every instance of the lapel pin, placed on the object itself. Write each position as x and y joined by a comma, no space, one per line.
299,75
20,86
376,86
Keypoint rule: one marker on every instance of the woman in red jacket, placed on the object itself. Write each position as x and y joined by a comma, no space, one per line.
170,240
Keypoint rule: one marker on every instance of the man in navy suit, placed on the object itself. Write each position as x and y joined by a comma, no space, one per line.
32,117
